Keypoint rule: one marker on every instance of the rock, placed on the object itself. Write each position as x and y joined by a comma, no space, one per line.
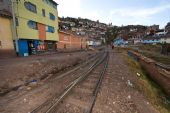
129,97
138,74
147,103
129,83
28,88
25,100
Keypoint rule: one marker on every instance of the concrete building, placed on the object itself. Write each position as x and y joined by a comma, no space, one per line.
120,42
138,40
94,42
151,40
165,39
167,28
6,36
37,25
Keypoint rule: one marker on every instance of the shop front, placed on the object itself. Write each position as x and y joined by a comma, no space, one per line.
33,47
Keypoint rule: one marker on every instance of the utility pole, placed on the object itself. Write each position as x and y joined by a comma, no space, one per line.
14,27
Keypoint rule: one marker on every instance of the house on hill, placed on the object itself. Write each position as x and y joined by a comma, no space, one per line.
167,28
120,42
151,40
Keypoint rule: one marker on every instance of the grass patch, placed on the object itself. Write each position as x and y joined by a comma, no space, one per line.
157,57
151,90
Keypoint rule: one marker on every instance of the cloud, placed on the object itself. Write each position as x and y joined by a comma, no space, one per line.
118,16
139,13
72,8
69,7
134,15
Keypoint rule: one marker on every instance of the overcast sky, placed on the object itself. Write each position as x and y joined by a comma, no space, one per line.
119,12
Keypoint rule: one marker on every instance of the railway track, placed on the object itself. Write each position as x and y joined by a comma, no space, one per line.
54,78
86,85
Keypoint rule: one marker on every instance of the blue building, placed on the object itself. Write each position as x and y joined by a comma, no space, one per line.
151,40
119,41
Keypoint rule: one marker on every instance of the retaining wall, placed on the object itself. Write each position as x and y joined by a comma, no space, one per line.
156,71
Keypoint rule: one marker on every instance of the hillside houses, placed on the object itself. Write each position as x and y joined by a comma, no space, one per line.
83,27
144,35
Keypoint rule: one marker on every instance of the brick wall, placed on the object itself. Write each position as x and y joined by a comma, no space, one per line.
70,41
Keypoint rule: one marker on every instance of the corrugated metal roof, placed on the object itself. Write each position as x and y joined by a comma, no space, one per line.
5,13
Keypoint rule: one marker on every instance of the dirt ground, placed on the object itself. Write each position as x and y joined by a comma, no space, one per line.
119,93
19,70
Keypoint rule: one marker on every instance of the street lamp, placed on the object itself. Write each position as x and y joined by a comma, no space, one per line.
14,27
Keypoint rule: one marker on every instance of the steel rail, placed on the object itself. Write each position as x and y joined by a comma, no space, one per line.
98,85
95,60
84,75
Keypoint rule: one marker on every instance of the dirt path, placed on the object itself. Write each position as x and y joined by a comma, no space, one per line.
118,92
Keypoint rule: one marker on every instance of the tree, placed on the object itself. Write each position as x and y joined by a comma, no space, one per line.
111,34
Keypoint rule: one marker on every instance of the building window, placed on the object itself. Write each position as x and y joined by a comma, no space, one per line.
43,12
32,24
52,17
50,29
31,7
16,21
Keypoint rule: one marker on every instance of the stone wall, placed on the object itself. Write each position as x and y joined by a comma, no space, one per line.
156,71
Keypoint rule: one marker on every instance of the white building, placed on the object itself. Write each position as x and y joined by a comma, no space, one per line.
165,39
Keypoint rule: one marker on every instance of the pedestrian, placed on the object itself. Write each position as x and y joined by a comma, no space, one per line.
112,46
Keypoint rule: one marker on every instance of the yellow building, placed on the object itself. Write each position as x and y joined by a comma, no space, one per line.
37,25
6,41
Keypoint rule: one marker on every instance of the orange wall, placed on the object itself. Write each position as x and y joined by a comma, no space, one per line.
70,41
64,39
42,31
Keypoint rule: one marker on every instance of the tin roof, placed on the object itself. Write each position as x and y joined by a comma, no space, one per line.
5,13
